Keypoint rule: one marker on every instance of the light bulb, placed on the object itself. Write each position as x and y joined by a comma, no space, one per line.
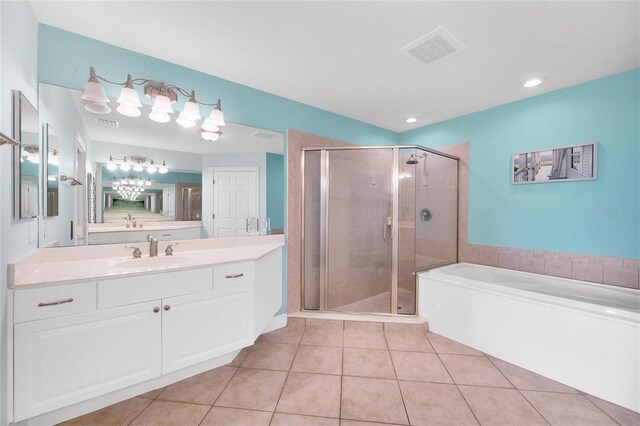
152,168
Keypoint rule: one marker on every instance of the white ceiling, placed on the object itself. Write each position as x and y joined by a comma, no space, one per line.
142,131
343,56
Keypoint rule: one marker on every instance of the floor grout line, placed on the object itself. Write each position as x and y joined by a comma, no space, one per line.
286,378
404,404
520,392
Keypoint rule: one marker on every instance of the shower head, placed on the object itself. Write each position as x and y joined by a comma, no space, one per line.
412,159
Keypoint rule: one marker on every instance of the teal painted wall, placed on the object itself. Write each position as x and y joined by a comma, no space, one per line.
592,217
275,189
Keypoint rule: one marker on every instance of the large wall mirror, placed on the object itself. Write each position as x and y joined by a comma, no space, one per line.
149,178
26,164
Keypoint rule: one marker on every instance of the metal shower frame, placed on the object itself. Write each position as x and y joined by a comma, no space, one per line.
324,220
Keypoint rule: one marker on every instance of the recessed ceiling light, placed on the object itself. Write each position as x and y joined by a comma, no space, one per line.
410,120
532,82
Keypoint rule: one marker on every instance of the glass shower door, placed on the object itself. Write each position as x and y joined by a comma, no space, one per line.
359,240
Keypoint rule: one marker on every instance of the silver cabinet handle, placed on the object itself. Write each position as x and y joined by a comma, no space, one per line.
235,276
167,307
57,302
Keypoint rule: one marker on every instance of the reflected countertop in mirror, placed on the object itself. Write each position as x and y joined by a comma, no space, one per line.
150,178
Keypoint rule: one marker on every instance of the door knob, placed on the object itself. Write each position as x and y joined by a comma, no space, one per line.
167,307
156,310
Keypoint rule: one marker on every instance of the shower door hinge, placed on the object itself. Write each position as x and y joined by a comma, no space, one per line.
214,181
213,216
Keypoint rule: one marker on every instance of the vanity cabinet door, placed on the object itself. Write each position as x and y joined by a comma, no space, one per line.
199,327
62,361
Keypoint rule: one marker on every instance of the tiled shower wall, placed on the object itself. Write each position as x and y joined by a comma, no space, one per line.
599,269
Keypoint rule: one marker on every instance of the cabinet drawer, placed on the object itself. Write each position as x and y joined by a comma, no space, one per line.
49,302
232,274
142,288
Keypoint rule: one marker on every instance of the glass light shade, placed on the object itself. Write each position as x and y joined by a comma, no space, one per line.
129,97
209,126
125,167
191,111
54,159
51,178
162,103
129,110
124,181
151,169
159,116
33,157
148,182
97,107
140,182
218,117
184,121
111,165
94,92
137,167
210,136
132,182
163,169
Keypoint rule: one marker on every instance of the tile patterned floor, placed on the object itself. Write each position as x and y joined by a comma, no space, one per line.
326,372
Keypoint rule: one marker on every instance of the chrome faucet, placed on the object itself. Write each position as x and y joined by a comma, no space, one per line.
153,246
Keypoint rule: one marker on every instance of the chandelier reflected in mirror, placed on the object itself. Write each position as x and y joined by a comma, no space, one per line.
163,96
137,164
129,188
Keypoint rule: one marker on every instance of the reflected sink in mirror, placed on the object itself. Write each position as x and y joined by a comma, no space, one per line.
152,262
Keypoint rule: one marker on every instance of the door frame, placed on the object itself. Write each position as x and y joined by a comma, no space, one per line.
215,169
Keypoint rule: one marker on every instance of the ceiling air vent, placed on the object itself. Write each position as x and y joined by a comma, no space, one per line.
107,123
263,135
433,47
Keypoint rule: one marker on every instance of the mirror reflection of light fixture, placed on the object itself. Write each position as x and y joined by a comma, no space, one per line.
53,158
210,136
30,153
137,163
130,187
163,96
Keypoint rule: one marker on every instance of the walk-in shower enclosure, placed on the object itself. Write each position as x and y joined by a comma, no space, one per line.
372,218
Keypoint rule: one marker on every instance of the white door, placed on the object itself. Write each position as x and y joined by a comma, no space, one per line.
236,196
202,326
62,361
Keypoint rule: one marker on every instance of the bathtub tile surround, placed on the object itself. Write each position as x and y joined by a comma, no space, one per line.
354,385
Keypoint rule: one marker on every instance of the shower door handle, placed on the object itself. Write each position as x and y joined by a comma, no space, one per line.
387,227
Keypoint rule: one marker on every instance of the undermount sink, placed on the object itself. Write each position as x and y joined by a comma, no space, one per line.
152,261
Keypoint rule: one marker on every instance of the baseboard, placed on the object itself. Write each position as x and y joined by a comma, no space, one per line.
276,322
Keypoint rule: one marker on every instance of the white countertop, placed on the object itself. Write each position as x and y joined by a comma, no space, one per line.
97,228
52,266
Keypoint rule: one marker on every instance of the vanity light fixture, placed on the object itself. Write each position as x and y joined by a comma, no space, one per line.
137,163
532,82
410,120
163,96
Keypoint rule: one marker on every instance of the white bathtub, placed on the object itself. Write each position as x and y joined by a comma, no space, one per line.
581,334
